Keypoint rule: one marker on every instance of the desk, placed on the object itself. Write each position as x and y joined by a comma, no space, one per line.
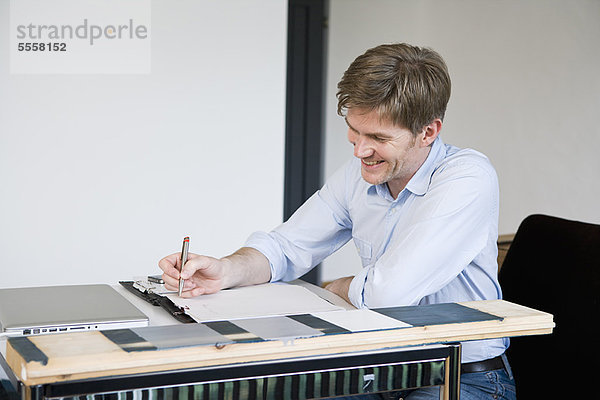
328,365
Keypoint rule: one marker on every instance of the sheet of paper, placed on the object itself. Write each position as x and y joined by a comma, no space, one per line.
361,320
270,299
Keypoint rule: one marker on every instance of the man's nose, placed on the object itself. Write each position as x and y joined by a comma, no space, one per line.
362,148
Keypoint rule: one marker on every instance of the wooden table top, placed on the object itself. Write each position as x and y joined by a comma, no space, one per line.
71,356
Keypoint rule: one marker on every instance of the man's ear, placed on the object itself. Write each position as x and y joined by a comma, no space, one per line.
430,132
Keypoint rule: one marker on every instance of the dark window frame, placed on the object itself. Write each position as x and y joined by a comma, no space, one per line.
304,106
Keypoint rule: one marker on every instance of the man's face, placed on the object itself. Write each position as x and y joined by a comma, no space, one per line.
389,154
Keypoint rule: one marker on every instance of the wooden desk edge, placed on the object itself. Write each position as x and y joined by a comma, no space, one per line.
518,321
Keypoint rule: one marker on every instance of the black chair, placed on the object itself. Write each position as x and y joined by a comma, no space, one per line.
553,265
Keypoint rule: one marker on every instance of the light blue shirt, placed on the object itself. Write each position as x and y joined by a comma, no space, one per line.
434,243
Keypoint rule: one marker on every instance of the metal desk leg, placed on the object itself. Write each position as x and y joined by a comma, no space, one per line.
451,390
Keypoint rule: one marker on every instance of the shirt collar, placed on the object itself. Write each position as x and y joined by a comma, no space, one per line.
419,183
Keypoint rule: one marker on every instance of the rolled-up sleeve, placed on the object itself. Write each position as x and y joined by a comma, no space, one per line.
317,229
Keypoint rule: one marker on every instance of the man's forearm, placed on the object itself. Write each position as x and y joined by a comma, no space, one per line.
247,266
341,287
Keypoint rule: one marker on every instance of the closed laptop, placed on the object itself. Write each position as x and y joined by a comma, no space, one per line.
70,308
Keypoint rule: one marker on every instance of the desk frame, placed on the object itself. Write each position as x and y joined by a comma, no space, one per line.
78,371
412,359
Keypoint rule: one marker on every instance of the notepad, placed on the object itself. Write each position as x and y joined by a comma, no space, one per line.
269,299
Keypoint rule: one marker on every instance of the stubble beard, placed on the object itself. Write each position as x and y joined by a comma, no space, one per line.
380,178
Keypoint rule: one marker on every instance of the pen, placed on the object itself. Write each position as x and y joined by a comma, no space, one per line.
184,255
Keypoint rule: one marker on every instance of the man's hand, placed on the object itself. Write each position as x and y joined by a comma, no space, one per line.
202,274
206,275
341,287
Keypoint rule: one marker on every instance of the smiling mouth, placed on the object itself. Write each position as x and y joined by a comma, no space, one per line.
371,163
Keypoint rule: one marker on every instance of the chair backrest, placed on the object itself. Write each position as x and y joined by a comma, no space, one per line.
553,265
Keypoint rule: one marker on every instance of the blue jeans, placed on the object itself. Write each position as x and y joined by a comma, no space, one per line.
488,385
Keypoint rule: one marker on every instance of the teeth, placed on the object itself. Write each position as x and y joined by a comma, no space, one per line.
371,162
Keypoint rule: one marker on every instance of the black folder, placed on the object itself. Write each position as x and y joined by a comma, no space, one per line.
159,301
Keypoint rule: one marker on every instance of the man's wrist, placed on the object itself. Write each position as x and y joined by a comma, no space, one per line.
229,273
247,266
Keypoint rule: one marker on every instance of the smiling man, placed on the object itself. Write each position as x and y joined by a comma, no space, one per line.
422,214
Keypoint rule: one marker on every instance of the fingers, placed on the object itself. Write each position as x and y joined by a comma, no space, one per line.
198,274
193,290
196,291
169,265
203,275
195,263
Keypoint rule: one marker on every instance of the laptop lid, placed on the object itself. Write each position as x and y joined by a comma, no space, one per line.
54,309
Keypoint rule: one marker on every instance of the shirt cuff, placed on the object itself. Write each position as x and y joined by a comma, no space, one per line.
357,288
262,242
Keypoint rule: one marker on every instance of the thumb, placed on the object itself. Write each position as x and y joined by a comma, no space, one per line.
193,264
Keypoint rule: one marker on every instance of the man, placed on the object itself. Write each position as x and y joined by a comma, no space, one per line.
422,214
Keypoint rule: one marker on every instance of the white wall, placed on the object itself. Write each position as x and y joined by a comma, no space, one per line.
526,92
102,175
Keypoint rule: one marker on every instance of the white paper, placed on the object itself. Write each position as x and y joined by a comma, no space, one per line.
361,320
269,299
